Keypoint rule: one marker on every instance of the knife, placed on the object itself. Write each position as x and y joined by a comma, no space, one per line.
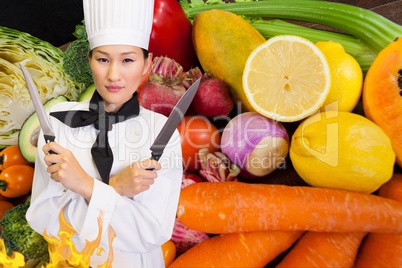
173,120
40,111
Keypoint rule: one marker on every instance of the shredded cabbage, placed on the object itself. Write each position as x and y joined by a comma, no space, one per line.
45,64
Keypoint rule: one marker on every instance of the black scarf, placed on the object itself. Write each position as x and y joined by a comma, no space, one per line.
103,121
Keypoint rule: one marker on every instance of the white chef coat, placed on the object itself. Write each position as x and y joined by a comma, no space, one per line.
143,223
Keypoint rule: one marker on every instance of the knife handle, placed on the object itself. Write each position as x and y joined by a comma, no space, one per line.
49,138
156,156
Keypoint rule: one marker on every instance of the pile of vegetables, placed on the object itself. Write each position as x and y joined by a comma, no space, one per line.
46,65
366,31
229,214
16,179
276,218
252,224
44,62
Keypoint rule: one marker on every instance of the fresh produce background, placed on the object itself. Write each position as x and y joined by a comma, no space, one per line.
304,182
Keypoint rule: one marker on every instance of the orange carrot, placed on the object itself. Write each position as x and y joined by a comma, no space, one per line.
232,206
323,249
252,249
393,188
383,250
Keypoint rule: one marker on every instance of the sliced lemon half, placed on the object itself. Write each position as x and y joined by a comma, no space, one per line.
287,78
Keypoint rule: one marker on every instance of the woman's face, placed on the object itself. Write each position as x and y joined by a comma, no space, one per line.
117,72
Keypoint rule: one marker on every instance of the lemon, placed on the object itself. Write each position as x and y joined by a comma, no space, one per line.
342,150
346,77
287,78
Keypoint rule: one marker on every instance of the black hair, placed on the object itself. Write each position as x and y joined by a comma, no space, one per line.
145,52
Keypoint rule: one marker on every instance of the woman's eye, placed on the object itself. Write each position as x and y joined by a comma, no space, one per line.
102,60
128,60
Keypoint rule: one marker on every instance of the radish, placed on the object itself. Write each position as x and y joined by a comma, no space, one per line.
216,166
166,84
185,238
258,145
189,178
212,98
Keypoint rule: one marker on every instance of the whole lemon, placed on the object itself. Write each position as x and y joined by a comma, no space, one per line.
346,77
342,150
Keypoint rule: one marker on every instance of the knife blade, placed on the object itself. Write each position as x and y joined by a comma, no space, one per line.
40,111
173,120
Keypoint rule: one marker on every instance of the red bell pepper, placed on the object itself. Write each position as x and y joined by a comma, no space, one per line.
171,34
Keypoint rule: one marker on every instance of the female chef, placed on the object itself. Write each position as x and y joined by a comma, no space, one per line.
100,167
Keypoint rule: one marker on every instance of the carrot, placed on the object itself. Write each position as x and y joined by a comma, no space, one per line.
323,249
383,250
232,206
252,249
393,188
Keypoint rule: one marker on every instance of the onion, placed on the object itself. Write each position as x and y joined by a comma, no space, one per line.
258,145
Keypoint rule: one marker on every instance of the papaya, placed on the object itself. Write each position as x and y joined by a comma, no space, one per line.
223,41
381,96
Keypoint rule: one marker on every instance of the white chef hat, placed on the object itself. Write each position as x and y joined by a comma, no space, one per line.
118,22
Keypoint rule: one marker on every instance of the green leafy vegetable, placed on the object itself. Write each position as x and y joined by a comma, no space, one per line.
45,63
80,31
76,63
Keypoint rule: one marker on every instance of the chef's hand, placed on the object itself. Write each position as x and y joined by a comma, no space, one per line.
64,168
136,178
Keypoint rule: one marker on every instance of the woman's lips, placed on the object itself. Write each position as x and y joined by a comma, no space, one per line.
114,88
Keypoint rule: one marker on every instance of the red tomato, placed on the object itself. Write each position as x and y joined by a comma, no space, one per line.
197,132
171,34
11,155
16,180
169,252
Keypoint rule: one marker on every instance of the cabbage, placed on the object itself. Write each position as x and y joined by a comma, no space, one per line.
45,64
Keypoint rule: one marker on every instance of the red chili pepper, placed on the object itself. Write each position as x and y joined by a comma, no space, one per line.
171,34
